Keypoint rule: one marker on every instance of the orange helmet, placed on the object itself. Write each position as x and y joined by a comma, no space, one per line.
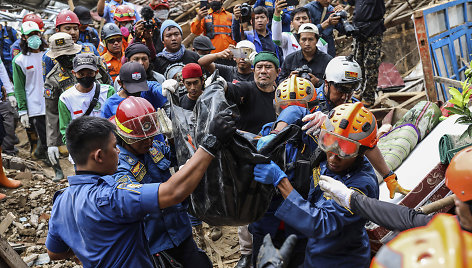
35,18
66,17
353,121
124,13
295,91
136,119
459,174
441,243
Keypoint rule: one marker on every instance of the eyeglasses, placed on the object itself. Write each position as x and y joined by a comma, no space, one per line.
347,87
341,146
114,40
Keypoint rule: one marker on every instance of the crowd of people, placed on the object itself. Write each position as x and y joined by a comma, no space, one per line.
106,96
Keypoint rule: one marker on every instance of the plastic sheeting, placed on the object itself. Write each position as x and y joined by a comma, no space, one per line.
227,193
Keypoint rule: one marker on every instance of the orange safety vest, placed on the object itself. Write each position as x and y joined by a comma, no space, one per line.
113,64
217,26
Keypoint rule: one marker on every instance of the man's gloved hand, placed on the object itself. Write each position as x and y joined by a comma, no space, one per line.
13,101
24,119
221,130
315,120
336,190
170,85
269,173
220,80
53,154
264,140
165,124
393,186
269,256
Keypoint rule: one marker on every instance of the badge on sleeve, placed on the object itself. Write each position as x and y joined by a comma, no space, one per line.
130,187
138,171
124,178
47,93
316,176
156,154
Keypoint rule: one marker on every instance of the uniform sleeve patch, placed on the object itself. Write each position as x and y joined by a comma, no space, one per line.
130,187
156,154
138,171
124,178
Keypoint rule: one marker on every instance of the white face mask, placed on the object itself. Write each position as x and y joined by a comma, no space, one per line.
162,14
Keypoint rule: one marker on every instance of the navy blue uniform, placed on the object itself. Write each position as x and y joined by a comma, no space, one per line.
336,236
101,221
90,35
171,226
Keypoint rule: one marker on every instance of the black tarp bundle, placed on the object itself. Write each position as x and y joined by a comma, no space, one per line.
227,193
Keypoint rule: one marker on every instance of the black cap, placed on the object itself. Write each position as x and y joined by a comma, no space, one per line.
84,61
133,77
84,15
202,42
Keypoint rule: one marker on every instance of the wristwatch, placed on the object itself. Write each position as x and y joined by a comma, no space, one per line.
210,144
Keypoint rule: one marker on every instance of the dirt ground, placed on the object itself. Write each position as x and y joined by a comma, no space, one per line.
31,205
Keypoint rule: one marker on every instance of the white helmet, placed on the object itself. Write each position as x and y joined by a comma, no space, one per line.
246,43
343,70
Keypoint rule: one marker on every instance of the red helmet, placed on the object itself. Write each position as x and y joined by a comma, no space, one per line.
124,13
66,17
34,18
136,119
163,3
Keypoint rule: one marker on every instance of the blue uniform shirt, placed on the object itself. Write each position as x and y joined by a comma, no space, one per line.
49,63
102,221
90,35
7,43
170,227
337,237
154,96
15,46
110,7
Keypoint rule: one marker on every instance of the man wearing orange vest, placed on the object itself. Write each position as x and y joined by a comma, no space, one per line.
214,23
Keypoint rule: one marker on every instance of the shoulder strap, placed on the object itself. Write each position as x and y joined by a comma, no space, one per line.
94,99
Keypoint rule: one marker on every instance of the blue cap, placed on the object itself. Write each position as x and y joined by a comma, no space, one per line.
169,23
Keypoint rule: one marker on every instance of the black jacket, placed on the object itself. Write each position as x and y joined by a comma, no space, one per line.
296,60
368,16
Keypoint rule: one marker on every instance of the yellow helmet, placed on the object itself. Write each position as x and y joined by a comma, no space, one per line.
295,91
441,243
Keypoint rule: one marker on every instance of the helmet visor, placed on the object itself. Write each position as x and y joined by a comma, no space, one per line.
347,87
139,128
280,105
337,144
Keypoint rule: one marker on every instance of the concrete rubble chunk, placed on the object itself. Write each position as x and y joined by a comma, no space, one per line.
42,259
36,194
30,259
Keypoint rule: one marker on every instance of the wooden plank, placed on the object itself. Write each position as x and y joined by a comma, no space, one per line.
414,84
412,101
9,255
448,81
423,47
6,222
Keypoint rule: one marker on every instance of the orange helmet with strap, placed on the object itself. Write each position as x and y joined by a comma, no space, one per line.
136,119
459,175
66,17
295,91
441,243
348,127
35,18
124,13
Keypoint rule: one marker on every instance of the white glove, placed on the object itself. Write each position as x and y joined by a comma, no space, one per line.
13,101
219,80
336,190
165,124
24,119
169,85
53,154
315,120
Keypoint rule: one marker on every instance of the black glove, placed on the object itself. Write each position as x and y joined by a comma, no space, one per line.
221,130
269,256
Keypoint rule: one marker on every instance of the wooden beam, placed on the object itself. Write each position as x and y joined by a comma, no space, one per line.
9,256
448,81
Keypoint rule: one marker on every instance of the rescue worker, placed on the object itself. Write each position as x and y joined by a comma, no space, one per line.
107,10
399,218
215,23
90,216
8,36
144,160
133,82
68,22
15,48
87,34
84,98
60,78
125,18
29,85
343,77
113,40
336,237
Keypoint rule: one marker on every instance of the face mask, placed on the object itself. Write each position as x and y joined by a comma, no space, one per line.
34,42
216,5
124,31
162,14
65,61
86,82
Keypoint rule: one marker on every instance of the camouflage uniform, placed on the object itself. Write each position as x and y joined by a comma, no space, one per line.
367,54
57,81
